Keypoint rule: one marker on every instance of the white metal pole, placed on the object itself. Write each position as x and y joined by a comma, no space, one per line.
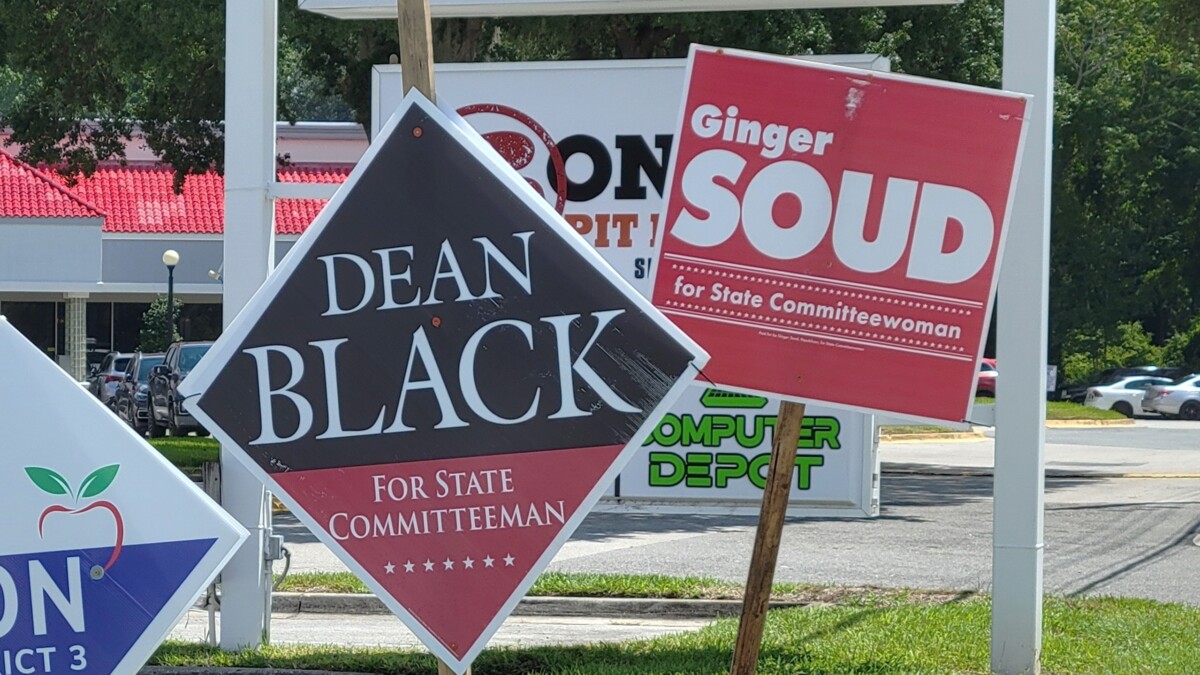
1022,310
250,61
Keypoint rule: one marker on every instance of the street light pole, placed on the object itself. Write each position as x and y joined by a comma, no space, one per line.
170,258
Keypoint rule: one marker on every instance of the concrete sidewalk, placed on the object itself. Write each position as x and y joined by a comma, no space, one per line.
386,631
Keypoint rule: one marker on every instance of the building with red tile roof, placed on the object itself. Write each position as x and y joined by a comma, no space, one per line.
97,241
139,198
31,193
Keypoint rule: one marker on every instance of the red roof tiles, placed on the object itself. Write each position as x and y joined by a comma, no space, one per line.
26,192
139,198
293,216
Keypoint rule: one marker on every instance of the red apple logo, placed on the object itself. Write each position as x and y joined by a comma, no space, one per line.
95,483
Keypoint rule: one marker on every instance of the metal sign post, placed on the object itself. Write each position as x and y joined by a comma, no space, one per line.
249,253
1018,503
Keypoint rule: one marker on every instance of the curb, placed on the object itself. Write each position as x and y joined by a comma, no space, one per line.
1060,424
617,608
979,435
938,436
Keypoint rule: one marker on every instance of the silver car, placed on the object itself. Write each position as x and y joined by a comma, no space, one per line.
102,381
1181,398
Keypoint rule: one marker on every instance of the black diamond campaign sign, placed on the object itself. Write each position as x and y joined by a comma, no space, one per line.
441,379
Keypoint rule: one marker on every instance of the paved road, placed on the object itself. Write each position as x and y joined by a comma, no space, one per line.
1108,536
1150,447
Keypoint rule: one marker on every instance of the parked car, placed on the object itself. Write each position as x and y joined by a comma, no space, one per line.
1124,395
1181,398
985,383
131,401
166,411
102,381
1077,392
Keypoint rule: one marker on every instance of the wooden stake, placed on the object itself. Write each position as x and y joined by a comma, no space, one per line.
416,70
766,540
416,46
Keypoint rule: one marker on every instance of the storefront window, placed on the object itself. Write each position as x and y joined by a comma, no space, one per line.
37,321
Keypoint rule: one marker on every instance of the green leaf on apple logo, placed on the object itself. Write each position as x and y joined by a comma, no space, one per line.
49,481
98,481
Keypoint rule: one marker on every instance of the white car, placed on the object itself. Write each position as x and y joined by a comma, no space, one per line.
1124,395
1178,399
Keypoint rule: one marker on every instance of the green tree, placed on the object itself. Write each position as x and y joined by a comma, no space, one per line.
1087,352
1126,172
95,70
153,337
159,66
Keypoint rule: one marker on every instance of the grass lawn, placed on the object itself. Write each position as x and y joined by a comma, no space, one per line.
884,636
1055,410
620,586
1065,410
189,453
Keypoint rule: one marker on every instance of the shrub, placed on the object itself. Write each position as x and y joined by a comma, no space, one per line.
153,336
1088,351
1183,348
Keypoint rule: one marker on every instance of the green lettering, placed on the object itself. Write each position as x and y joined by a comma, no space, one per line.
819,432
730,465
659,460
721,427
711,430
666,433
693,433
759,424
804,466
757,472
697,469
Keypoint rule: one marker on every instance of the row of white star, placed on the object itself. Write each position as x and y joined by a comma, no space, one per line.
448,564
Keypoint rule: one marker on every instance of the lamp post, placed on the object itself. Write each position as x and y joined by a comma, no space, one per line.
170,258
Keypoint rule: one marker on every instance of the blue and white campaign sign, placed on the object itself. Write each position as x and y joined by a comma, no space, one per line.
104,545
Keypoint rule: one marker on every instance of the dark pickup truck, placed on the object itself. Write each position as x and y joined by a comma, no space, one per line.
166,409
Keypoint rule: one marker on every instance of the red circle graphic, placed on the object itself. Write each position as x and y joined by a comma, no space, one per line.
518,150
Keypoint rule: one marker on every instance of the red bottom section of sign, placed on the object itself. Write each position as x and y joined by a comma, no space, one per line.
451,540
818,369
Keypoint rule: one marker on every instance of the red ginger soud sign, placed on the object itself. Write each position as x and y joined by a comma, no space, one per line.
834,235
441,378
